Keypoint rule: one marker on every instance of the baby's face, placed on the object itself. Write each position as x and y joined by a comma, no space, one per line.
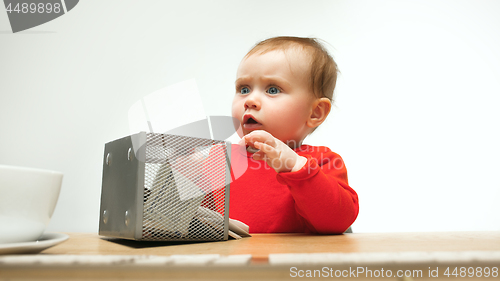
273,94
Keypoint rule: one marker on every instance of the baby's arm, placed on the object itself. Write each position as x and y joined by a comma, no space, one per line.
277,154
321,192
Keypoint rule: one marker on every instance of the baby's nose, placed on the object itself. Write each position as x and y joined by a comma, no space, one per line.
252,101
251,104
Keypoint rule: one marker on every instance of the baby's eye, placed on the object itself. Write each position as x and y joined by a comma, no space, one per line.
244,90
273,91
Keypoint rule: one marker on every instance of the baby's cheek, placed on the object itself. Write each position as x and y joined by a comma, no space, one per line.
237,109
237,113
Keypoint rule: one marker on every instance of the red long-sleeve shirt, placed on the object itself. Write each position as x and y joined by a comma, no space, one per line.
315,199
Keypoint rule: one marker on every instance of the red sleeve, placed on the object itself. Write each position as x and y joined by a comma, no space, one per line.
321,192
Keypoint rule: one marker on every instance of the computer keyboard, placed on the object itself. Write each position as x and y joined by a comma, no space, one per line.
244,260
174,260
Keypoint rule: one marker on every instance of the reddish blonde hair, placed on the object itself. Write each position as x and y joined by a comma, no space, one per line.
323,72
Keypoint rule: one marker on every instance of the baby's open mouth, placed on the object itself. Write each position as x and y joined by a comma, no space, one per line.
251,121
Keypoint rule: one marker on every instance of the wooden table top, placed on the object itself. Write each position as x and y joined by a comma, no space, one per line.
261,245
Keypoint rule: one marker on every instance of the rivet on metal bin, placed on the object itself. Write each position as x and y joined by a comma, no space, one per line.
105,216
127,218
108,159
130,154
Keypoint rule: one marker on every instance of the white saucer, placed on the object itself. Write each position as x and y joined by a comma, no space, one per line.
46,241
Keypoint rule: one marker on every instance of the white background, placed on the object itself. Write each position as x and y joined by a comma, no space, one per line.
416,117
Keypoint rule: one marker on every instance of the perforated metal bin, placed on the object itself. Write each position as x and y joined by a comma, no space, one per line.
159,187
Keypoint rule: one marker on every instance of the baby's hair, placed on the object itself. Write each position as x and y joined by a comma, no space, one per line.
323,68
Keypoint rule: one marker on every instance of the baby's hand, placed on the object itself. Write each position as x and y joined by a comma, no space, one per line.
277,154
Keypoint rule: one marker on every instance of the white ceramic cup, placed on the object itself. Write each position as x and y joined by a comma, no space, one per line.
28,198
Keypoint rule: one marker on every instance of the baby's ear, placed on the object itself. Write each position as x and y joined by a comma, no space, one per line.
320,110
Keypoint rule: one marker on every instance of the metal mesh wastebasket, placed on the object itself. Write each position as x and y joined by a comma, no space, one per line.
160,187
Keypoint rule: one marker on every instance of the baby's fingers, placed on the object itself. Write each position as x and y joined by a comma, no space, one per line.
268,150
260,136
